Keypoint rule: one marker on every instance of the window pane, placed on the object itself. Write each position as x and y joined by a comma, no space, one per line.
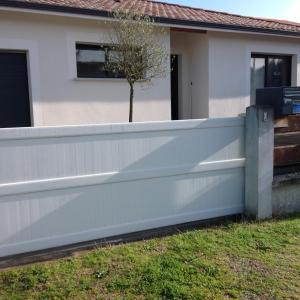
90,56
279,71
115,55
269,71
257,76
91,60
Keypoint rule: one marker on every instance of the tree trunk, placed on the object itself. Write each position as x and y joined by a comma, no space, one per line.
131,102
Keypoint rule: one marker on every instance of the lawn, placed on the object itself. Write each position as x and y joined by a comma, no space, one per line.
236,260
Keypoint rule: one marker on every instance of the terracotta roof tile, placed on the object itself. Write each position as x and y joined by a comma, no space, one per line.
168,12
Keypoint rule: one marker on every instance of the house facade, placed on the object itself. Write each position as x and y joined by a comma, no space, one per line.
50,53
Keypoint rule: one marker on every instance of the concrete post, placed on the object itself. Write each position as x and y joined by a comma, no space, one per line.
259,161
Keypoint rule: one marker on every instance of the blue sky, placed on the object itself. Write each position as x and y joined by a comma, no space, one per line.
280,9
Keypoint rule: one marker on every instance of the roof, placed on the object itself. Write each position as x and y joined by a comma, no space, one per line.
164,13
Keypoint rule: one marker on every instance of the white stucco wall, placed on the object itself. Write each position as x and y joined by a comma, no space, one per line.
200,75
57,97
192,49
214,72
230,65
180,46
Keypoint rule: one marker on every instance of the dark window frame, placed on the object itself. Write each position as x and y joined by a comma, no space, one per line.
100,47
266,57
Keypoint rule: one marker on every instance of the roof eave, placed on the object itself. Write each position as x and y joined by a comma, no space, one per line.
162,20
206,25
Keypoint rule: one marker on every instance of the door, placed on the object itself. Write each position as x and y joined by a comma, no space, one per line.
14,93
174,87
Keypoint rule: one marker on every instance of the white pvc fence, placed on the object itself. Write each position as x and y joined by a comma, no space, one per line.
62,185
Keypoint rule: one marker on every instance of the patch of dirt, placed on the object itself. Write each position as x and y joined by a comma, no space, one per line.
246,266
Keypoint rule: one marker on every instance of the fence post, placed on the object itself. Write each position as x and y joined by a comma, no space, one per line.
259,161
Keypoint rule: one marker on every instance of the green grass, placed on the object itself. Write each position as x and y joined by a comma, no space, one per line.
237,260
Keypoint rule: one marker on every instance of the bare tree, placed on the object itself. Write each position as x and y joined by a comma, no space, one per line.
138,51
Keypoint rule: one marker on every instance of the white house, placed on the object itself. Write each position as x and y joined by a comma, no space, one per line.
220,60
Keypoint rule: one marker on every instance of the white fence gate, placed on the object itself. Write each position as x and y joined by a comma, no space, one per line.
62,185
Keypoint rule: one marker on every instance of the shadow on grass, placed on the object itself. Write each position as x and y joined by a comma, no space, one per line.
71,250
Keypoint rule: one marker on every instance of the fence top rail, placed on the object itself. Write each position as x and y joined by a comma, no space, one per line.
117,128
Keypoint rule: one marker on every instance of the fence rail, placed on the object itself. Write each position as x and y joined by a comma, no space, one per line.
62,185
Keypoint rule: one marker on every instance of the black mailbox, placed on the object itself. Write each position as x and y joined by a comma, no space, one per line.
285,100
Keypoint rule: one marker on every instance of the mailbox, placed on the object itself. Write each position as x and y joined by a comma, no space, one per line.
285,100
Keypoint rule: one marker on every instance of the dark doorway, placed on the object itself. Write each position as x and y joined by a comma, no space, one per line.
14,93
174,87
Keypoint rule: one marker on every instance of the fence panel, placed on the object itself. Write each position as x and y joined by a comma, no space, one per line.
62,185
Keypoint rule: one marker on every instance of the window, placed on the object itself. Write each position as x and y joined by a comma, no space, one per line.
91,61
269,71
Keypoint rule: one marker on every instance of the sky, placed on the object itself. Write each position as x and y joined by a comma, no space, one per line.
278,9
